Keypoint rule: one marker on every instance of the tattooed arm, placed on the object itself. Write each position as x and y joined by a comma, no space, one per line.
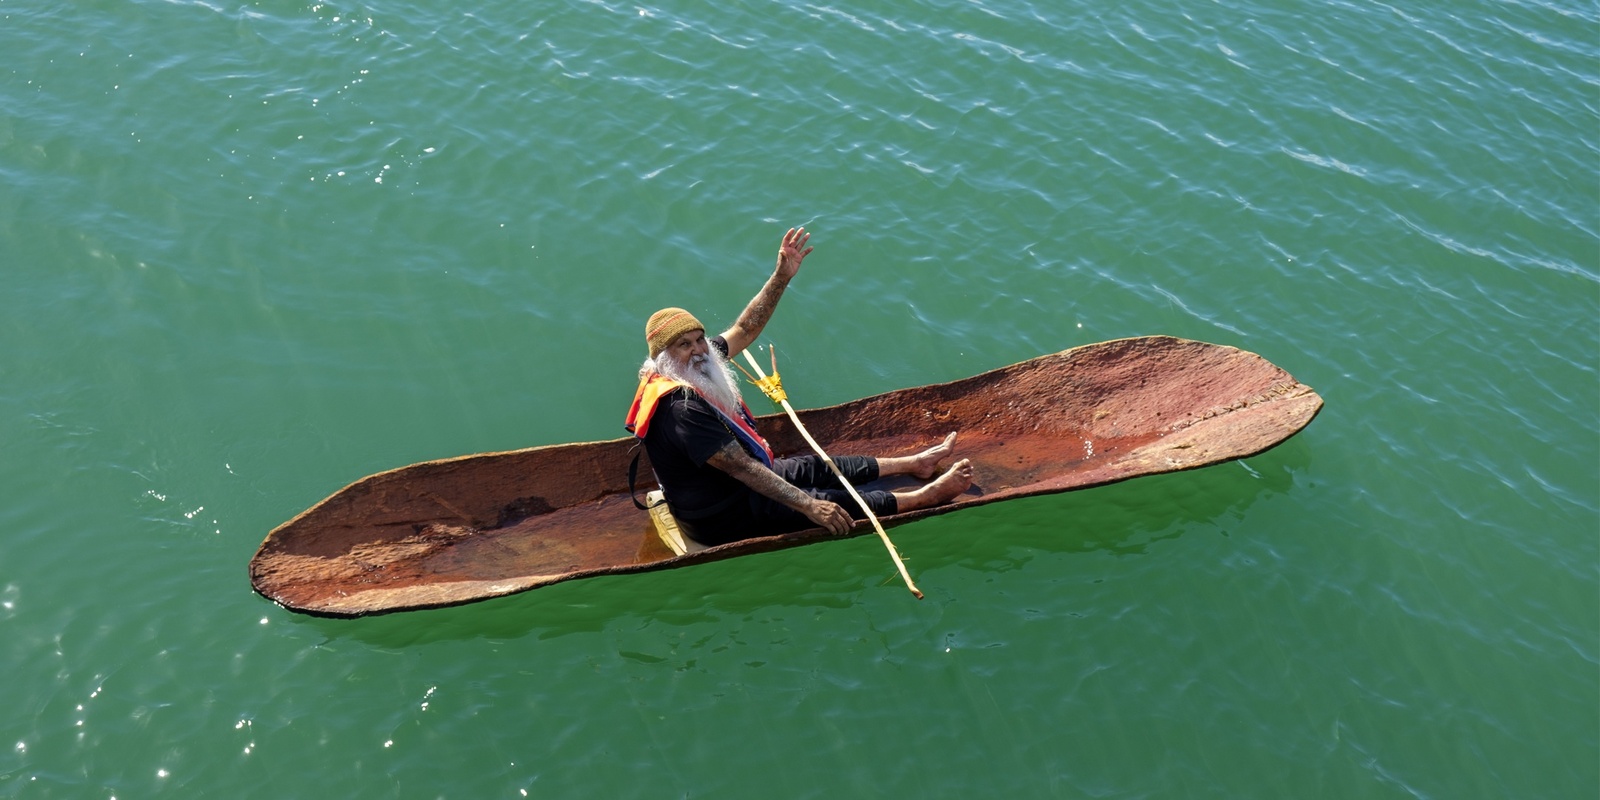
750,323
733,460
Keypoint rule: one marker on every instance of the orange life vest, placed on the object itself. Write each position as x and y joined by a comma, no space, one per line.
741,425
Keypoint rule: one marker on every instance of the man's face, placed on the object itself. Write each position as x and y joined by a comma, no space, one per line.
690,348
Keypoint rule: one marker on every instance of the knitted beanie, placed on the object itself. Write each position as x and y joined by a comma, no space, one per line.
666,325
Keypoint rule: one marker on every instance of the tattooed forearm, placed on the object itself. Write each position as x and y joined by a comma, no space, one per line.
759,311
733,460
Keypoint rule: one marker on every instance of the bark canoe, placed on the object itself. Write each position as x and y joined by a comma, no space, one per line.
457,530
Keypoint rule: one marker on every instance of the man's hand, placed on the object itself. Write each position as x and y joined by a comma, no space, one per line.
829,515
792,252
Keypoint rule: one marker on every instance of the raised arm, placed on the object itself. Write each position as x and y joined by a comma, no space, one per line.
733,460
747,328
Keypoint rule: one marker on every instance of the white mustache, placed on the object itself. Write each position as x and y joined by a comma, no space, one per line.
708,376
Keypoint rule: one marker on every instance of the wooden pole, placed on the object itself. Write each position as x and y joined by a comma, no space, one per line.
774,390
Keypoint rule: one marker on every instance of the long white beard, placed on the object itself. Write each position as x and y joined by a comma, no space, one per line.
711,375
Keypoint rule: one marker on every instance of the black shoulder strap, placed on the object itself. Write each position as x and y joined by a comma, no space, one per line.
633,476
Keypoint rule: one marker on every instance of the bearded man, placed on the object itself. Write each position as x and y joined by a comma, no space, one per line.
717,472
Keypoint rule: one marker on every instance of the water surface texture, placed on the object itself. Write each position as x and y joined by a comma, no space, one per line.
251,252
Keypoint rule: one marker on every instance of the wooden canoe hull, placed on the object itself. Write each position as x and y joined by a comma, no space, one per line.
453,531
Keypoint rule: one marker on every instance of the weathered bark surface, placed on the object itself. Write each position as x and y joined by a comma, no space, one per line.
446,532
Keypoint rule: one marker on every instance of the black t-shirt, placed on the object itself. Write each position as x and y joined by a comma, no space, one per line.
685,431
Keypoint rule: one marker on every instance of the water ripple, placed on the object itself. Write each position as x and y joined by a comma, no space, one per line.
256,252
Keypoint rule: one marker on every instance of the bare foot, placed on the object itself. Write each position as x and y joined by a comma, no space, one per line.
943,489
924,464
953,482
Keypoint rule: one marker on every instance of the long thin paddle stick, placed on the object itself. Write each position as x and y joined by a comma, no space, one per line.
774,390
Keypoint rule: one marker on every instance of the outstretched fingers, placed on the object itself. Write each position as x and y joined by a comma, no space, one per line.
796,238
793,250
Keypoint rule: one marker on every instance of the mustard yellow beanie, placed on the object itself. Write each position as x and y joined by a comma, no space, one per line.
666,325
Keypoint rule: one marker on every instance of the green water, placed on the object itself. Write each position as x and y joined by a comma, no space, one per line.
250,252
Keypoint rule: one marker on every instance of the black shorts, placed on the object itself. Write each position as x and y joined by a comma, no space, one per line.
762,516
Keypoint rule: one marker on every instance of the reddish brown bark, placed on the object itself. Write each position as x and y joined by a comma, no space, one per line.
447,532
